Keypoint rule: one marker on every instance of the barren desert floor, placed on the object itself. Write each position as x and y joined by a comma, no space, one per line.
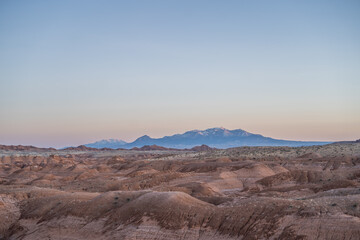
238,193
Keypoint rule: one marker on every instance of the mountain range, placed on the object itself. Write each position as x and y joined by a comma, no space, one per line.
213,137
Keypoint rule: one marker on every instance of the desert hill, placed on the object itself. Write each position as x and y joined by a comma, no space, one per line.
157,193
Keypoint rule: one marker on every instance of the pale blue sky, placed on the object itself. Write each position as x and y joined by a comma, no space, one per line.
73,72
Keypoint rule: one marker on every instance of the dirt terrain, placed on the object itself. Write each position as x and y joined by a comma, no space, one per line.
202,193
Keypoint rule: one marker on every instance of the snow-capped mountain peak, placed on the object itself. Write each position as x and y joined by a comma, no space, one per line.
218,137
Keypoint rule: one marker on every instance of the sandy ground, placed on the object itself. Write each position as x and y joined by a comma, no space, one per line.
239,193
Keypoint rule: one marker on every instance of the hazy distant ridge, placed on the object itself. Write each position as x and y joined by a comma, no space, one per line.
213,137
109,143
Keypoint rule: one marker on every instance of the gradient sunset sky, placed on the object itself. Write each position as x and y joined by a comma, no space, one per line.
73,72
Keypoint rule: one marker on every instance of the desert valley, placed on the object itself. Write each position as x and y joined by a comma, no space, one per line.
310,192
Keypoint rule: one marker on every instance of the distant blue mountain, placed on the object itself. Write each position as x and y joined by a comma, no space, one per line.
110,143
213,137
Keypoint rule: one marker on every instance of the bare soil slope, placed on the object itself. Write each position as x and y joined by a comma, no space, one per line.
155,193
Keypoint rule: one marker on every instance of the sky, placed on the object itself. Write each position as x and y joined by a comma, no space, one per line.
74,72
